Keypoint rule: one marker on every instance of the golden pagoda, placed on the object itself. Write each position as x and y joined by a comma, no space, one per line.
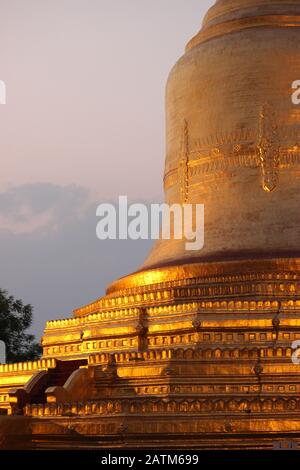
194,350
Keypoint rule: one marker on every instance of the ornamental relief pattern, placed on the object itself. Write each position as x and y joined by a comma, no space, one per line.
205,160
183,166
269,148
146,296
146,406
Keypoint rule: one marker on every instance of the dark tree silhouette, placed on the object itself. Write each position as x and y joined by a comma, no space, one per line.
15,319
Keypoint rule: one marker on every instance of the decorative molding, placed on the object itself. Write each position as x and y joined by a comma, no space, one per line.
269,147
240,24
183,166
165,406
204,160
31,366
260,284
196,353
203,167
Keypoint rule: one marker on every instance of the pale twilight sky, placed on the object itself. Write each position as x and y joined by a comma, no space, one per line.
83,123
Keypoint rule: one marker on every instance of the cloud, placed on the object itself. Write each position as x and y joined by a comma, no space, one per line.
50,255
41,207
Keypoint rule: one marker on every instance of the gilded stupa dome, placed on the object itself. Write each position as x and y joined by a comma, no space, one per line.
233,133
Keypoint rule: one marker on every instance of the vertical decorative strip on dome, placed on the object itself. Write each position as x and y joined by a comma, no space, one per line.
269,147
183,168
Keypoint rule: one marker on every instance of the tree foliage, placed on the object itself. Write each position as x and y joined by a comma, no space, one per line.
15,320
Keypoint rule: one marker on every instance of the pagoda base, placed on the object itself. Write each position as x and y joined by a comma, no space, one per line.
204,360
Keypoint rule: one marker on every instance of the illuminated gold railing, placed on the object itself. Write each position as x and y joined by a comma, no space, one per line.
28,366
156,405
245,286
226,305
115,314
101,358
276,352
